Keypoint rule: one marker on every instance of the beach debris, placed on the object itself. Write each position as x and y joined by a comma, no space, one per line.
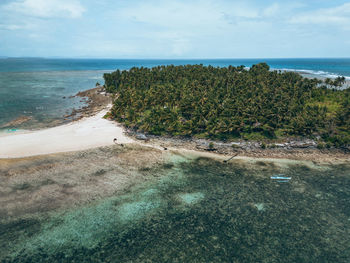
280,178
141,137
229,159
115,141
211,147
260,206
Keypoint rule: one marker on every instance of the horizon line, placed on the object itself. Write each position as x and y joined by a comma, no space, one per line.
168,58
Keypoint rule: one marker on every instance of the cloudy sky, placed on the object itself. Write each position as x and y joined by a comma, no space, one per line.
175,28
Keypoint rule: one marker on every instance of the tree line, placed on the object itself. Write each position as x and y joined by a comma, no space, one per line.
230,102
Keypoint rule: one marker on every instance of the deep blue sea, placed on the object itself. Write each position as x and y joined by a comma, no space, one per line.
36,87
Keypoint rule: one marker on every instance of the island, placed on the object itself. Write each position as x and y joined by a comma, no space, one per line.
231,103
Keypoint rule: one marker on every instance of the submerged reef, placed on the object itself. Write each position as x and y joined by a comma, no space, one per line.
182,208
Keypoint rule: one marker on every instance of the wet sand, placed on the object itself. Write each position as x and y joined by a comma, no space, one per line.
48,182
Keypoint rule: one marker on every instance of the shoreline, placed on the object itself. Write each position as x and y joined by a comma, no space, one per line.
95,131
87,129
227,153
95,100
86,133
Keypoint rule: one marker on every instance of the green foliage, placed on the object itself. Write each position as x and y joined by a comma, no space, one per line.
321,145
229,103
108,115
337,82
211,145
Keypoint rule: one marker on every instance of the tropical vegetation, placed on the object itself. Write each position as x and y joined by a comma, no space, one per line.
230,102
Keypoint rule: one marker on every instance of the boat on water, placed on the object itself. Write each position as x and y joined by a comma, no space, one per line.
280,177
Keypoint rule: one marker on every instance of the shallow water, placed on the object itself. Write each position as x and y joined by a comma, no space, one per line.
43,96
199,210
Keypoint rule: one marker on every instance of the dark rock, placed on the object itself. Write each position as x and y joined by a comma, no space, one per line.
141,137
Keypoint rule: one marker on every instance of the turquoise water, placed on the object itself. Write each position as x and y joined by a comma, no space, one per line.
200,210
44,95
35,87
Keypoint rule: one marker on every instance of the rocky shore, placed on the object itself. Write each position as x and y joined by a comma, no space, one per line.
96,99
301,149
16,122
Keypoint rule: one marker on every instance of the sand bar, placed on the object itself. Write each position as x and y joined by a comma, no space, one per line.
84,134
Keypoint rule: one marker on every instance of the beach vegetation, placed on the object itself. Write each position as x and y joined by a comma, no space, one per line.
230,103
321,145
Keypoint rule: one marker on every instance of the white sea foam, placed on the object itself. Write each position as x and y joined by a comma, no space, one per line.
316,73
319,73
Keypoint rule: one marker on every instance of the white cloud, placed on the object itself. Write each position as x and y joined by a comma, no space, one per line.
271,10
339,15
47,8
174,28
88,45
12,27
183,28
188,14
170,14
180,47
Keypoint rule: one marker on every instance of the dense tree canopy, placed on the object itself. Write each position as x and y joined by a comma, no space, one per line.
232,102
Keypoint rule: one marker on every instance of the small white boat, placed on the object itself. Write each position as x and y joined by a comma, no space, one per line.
280,177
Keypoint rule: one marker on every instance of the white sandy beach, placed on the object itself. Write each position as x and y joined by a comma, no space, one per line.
84,134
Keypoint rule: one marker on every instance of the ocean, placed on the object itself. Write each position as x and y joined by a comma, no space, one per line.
42,89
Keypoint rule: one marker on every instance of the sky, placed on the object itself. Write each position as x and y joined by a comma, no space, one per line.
174,28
